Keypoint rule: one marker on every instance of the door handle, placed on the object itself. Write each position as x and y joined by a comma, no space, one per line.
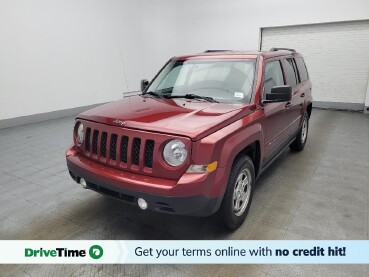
302,94
288,105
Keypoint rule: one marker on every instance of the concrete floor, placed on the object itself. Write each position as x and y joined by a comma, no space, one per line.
320,193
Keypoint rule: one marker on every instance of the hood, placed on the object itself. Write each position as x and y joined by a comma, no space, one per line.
191,118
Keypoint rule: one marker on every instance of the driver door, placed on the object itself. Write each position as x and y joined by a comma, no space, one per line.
276,127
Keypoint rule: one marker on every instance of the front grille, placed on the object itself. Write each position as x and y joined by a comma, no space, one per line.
159,206
115,194
88,137
136,151
103,144
113,147
123,149
149,152
119,150
94,142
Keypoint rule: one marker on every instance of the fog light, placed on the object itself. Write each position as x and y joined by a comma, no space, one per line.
83,183
142,203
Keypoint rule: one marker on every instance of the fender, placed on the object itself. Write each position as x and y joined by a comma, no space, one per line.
225,144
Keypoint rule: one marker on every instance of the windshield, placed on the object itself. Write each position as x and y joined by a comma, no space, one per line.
229,81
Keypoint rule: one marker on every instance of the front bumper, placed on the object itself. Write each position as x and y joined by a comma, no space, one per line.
190,195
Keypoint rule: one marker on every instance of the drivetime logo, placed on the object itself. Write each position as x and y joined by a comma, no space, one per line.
95,252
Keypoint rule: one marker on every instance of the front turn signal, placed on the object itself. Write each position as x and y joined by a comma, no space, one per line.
202,168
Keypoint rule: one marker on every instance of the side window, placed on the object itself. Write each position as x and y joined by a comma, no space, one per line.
291,72
273,76
296,71
302,69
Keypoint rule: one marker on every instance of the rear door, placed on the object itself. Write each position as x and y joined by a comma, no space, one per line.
305,82
295,106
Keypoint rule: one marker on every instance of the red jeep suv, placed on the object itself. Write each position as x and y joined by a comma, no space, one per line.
199,134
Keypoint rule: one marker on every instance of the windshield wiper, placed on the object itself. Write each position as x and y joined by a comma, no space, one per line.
193,96
154,94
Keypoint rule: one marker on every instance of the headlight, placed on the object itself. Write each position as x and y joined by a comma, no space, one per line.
80,133
175,152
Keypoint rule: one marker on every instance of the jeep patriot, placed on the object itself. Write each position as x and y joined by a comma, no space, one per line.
200,133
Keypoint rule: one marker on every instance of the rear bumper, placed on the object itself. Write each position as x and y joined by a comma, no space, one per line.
188,196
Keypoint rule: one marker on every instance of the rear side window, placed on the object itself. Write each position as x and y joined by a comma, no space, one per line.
302,69
291,72
273,76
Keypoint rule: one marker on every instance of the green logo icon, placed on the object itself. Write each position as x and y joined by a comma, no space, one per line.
96,252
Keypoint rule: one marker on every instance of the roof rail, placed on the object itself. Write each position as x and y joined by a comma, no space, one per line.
212,51
278,48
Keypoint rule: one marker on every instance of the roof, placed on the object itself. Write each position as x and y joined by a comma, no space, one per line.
236,54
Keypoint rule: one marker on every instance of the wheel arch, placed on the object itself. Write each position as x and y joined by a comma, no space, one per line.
247,142
254,152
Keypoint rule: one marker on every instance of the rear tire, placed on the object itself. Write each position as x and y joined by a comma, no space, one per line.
237,199
299,143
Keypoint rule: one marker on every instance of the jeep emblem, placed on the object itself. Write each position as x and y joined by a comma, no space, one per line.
120,122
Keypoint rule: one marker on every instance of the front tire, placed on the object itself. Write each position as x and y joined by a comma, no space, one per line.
299,143
237,199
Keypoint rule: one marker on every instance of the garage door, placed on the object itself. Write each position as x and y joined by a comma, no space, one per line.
337,57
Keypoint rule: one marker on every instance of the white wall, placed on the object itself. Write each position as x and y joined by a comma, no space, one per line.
221,24
60,54
366,110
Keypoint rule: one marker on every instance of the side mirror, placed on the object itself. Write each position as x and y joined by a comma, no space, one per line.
144,84
279,94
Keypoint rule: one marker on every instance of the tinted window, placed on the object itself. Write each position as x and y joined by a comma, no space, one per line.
273,76
302,69
291,73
